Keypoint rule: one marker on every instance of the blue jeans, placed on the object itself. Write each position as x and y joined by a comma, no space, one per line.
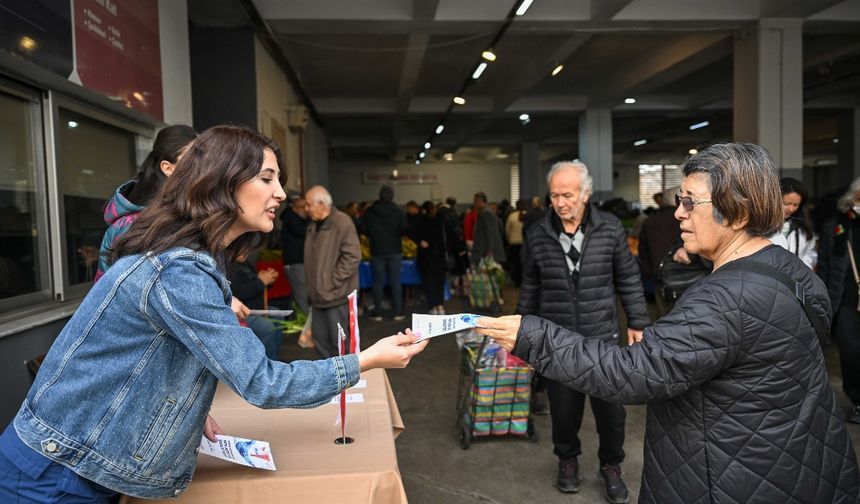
387,266
269,334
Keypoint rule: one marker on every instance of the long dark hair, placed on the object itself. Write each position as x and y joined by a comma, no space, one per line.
169,145
801,216
197,206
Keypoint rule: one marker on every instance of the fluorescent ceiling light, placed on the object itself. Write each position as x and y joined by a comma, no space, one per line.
699,125
426,145
524,6
449,156
459,100
835,140
630,101
524,117
489,55
422,155
557,70
417,161
478,71
440,129
693,151
73,124
637,143
502,155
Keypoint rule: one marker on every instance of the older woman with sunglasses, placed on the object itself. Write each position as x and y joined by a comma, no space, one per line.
739,405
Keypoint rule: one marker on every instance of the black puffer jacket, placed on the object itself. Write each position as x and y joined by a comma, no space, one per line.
740,408
384,223
606,265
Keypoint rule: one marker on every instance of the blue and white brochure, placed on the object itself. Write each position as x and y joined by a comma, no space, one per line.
247,452
430,326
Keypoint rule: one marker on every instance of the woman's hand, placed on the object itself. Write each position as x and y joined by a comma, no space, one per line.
211,428
503,330
239,308
391,352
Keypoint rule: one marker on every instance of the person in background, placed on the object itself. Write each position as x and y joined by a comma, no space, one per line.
660,232
488,233
294,228
797,234
575,261
353,209
740,408
120,402
430,235
470,220
839,267
332,256
514,236
384,223
249,285
534,214
131,197
413,212
455,244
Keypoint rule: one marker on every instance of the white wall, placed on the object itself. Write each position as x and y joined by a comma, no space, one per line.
175,61
459,180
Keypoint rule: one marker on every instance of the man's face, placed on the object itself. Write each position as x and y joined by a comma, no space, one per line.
565,192
479,203
317,210
412,210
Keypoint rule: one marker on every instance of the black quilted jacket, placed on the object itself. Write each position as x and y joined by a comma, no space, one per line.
739,406
606,265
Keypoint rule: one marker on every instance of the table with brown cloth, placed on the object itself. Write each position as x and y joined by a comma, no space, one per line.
311,467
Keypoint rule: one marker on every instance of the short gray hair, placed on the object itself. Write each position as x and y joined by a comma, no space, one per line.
846,201
321,196
580,167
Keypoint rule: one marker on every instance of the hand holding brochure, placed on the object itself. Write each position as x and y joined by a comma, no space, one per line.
430,326
247,452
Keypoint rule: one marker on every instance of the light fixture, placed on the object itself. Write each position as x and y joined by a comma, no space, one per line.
422,155
557,70
449,156
27,44
459,100
502,155
73,124
478,71
637,143
524,117
137,96
524,6
699,125
693,151
489,55
630,101
394,173
426,145
417,161
835,140
440,129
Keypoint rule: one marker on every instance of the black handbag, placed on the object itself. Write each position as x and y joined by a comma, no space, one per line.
675,277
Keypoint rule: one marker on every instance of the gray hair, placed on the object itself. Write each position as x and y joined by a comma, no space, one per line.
320,195
846,201
580,167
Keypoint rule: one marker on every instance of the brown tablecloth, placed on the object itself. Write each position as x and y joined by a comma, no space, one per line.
311,468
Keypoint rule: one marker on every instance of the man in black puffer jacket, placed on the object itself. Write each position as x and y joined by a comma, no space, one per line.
384,223
574,261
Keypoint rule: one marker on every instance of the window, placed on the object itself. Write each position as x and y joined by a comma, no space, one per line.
515,184
655,179
93,159
24,262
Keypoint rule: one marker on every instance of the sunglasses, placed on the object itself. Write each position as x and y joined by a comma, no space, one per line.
688,202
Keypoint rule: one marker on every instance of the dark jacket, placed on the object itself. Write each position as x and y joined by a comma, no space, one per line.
659,233
332,255
293,231
384,223
488,237
607,265
246,286
834,266
533,216
739,404
430,260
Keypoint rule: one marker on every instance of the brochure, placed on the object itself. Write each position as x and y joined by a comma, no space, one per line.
247,452
430,326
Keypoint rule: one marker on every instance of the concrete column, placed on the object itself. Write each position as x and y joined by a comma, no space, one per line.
595,150
532,177
848,149
768,91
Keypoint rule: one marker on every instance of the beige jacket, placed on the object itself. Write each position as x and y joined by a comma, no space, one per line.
332,256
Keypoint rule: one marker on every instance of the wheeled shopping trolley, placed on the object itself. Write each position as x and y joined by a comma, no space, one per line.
492,400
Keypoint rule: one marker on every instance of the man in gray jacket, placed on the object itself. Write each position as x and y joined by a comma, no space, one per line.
332,255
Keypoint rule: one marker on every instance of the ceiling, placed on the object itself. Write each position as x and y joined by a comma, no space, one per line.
380,74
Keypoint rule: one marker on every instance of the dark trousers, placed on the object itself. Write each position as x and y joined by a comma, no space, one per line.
566,407
324,328
434,288
846,329
387,265
514,266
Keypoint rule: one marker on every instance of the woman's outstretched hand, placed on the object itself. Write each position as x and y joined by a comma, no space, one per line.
503,330
391,352
211,428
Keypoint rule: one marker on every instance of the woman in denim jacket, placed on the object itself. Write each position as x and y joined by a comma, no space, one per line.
121,400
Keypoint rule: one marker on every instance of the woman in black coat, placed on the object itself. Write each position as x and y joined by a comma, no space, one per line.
739,404
429,234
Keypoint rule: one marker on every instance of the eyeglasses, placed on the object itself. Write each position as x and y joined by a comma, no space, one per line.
688,202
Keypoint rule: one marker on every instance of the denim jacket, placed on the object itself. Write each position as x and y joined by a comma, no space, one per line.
123,394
